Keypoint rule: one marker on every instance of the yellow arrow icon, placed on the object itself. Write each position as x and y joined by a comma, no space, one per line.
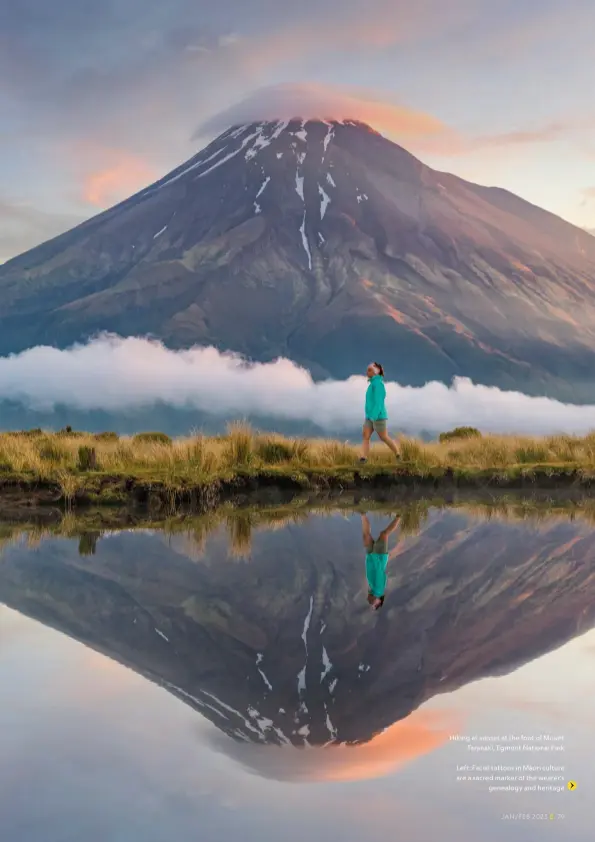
571,784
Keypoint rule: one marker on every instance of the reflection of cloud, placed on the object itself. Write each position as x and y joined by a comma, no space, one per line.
115,374
14,628
539,707
553,712
421,733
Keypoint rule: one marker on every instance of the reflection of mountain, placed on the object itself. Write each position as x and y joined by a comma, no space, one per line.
283,647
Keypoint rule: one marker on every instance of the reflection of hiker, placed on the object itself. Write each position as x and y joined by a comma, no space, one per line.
376,415
376,560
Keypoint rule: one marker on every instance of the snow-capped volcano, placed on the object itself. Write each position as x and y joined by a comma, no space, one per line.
323,241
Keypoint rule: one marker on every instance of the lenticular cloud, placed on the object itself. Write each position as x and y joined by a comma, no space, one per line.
115,374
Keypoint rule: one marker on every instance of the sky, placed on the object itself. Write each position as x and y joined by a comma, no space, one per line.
97,100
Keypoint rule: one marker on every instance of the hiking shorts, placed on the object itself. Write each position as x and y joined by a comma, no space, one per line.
375,426
378,546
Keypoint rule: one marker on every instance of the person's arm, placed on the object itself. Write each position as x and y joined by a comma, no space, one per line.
379,398
376,399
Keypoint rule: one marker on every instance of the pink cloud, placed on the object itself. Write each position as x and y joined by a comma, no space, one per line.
109,175
315,101
398,121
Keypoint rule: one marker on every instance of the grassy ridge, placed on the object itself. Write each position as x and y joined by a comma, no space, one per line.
74,462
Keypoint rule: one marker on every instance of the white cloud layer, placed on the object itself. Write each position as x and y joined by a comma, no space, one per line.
115,374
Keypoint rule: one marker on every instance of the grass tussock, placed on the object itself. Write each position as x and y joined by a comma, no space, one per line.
155,456
106,436
238,449
159,438
459,433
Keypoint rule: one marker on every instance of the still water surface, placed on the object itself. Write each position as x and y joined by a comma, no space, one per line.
230,681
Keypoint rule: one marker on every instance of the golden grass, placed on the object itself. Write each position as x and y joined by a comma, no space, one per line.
61,457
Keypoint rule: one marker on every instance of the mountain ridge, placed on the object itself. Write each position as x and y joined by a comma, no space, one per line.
325,242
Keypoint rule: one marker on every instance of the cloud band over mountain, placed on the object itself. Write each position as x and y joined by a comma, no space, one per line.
115,374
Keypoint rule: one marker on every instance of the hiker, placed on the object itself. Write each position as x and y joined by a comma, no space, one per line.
376,415
377,560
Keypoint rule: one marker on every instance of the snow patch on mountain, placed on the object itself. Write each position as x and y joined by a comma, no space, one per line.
302,134
324,201
263,186
326,663
302,673
305,241
260,142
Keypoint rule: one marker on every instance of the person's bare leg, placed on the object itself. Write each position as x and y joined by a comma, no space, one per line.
384,535
389,442
366,436
367,533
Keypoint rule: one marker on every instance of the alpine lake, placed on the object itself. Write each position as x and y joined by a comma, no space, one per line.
180,677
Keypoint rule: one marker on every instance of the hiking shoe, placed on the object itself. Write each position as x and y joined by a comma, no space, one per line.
363,460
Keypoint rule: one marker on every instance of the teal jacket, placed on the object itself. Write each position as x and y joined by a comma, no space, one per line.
375,397
376,564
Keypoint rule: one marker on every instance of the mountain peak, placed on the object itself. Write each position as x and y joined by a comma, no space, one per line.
301,123
288,102
323,241
267,140
304,130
